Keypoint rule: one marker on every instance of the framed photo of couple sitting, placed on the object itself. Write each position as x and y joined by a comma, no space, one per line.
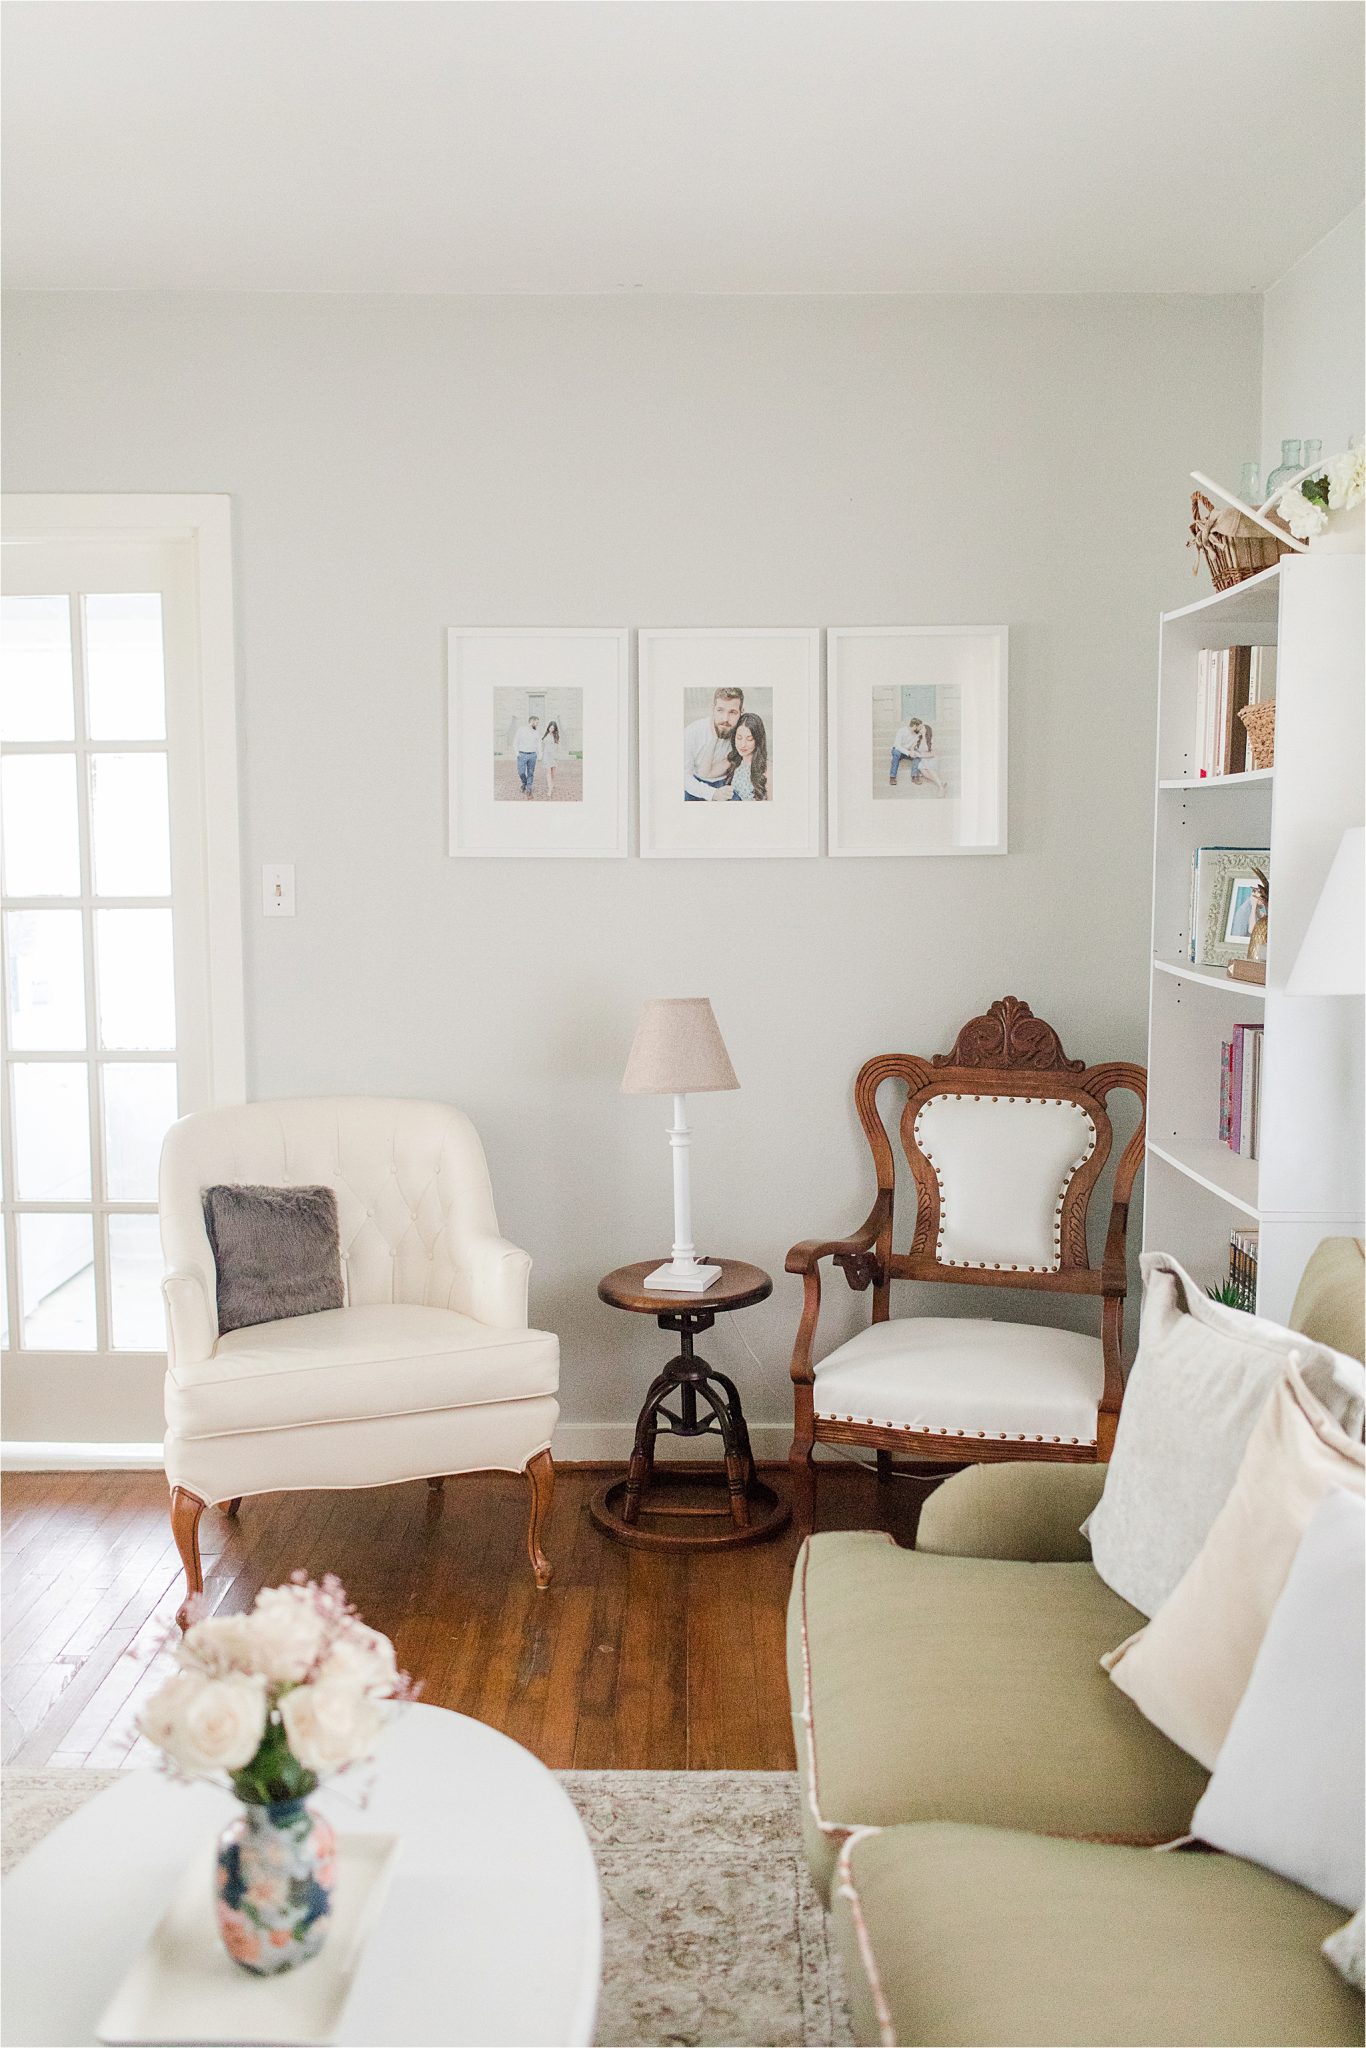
917,739
730,742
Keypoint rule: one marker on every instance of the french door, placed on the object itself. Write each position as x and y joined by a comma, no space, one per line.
108,1027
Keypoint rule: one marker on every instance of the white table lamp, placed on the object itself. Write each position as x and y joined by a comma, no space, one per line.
1332,957
678,1050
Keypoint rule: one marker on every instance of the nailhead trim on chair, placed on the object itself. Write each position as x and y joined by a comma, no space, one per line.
1001,1436
990,1265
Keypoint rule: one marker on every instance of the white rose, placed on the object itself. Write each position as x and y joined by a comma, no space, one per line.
330,1724
363,1658
287,1634
1347,480
1302,515
219,1645
207,1724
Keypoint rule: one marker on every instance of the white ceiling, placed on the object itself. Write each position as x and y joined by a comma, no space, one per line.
676,145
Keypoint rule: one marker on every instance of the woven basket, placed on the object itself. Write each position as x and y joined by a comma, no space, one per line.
1260,720
1233,546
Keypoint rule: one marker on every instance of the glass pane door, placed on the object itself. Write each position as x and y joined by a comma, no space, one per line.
91,1024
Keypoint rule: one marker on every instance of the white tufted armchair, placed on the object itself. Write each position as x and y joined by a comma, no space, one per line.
429,1369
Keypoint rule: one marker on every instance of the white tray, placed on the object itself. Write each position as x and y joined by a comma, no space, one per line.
184,1988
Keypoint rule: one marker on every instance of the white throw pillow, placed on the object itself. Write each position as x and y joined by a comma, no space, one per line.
1201,1379
1289,1784
1346,1951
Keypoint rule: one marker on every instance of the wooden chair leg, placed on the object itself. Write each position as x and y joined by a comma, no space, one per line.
541,1474
233,1505
186,1508
801,1465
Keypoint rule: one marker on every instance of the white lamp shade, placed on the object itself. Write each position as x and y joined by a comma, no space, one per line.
1332,959
678,1050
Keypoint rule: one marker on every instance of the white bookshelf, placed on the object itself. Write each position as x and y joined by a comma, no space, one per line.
1307,1182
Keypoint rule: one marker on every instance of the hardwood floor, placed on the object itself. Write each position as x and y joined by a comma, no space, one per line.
632,1660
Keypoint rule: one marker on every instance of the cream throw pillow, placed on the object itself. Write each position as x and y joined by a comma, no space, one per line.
1188,1669
1289,1789
1201,1379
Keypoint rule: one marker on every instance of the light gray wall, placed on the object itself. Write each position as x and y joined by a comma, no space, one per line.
1314,346
397,466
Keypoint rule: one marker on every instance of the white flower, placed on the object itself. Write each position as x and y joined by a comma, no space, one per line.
330,1724
207,1724
1301,514
363,1658
1347,480
223,1643
287,1633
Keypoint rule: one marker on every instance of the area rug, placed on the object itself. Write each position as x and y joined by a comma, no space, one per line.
712,1931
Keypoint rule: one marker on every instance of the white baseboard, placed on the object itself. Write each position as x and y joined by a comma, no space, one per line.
576,1443
609,1443
36,1457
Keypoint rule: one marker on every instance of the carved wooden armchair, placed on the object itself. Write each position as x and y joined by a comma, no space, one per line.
1005,1138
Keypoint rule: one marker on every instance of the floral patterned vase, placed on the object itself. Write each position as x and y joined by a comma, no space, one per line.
277,1866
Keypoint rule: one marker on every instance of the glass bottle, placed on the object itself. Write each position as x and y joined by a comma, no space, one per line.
1249,484
1291,463
1310,452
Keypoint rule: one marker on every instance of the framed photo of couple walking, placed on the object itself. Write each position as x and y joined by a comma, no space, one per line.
917,739
538,741
730,742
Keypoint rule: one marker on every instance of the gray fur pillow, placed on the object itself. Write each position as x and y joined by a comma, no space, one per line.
277,1250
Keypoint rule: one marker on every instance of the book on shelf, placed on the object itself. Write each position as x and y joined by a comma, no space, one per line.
1242,1269
1227,680
1240,1085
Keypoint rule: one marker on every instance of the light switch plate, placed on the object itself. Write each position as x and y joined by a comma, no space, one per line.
277,889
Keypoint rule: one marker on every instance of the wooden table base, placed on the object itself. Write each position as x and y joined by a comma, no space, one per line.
767,1514
708,1405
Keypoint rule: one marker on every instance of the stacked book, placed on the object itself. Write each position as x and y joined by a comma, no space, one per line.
1242,1269
1228,679
1240,1090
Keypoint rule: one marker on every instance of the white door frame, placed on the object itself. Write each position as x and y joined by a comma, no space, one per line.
205,522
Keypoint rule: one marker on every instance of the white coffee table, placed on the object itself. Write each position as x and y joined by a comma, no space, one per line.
491,1933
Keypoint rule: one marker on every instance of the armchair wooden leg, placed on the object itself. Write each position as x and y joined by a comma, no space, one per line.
233,1505
186,1508
541,1473
802,1468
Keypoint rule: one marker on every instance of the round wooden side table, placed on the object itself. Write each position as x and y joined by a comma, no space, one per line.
708,1405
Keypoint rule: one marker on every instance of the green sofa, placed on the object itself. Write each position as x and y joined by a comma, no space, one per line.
981,1804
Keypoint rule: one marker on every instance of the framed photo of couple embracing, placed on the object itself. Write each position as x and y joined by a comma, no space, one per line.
730,742
917,739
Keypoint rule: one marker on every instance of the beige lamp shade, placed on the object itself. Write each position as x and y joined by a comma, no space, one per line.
678,1050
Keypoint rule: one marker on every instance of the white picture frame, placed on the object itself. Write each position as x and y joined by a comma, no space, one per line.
683,672
889,686
499,679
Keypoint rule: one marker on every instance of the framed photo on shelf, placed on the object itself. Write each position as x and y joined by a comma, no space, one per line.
1228,898
730,742
916,719
537,741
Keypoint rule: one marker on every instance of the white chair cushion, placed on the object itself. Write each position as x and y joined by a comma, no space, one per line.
1004,1164
970,1377
352,1364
